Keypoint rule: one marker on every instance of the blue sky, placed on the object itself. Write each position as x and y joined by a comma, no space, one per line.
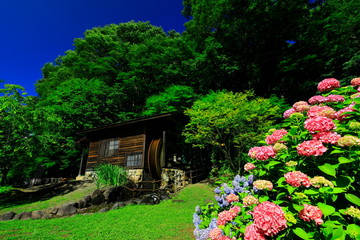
38,31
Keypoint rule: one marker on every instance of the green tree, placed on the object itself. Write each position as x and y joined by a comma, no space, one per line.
241,42
174,98
229,122
134,59
282,47
15,131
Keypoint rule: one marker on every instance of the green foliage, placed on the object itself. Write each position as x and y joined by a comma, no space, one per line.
315,184
229,122
174,98
110,175
5,189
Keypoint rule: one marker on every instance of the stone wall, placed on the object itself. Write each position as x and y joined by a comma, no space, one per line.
173,177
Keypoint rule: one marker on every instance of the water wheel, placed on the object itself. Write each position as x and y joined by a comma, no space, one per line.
156,158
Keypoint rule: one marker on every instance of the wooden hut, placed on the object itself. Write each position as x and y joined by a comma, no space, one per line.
148,147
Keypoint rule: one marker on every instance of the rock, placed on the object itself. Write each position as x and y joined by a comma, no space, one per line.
7,216
18,216
151,199
113,194
38,215
26,215
97,197
53,211
68,209
105,209
85,202
117,205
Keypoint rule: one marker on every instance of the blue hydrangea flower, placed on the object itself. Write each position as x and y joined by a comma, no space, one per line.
197,209
237,178
242,179
217,190
251,179
202,234
246,184
235,183
228,190
238,189
196,220
213,223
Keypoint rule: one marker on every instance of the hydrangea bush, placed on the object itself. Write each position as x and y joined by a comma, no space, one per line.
303,183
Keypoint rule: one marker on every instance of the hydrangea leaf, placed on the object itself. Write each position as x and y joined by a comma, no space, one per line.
352,198
345,160
301,233
326,209
328,169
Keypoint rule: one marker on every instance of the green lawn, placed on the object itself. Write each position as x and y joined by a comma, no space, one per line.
7,205
171,219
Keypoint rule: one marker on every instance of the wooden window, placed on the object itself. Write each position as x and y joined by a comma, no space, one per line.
133,160
109,147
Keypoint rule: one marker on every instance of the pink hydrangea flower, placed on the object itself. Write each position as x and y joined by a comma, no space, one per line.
311,148
253,233
232,198
319,124
227,216
335,98
249,166
328,84
339,114
355,81
358,89
311,213
269,218
301,106
297,178
215,234
275,136
262,153
317,99
263,185
324,111
288,112
327,137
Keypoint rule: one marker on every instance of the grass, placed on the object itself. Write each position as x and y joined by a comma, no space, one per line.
171,219
5,189
18,205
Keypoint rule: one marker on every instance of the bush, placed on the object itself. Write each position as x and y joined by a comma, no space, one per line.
307,176
110,175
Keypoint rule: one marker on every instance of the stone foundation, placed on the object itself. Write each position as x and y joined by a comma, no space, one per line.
173,177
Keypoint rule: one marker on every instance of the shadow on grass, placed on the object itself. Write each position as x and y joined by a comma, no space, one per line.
38,193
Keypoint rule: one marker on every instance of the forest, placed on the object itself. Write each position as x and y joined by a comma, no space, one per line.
253,53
